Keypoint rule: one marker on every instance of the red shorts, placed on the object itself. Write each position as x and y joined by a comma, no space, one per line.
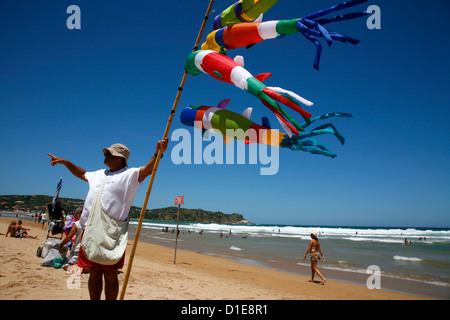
84,262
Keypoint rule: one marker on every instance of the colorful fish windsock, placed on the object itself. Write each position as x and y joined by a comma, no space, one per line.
242,11
235,126
248,34
225,69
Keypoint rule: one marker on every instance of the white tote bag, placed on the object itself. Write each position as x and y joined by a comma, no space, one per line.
105,238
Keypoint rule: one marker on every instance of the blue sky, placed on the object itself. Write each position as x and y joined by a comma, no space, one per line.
72,92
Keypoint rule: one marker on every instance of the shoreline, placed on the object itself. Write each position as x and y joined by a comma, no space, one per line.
154,276
388,283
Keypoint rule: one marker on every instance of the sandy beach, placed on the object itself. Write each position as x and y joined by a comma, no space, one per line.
154,276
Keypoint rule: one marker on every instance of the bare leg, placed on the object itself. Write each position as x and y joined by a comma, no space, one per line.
313,269
111,284
95,283
318,272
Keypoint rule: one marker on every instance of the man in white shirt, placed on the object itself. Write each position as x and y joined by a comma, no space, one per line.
118,193
44,218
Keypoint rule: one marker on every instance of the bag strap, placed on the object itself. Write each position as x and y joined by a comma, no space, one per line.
98,198
103,183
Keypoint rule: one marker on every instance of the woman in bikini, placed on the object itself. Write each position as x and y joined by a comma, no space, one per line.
314,250
11,229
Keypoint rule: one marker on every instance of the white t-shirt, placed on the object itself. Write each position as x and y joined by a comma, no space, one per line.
77,243
118,192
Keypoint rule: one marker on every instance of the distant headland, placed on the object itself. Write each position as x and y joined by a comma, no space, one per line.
37,203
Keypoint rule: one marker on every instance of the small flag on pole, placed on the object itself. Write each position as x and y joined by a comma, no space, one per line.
179,200
55,198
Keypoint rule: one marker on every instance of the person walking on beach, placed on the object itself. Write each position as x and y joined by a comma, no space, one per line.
105,215
314,250
43,218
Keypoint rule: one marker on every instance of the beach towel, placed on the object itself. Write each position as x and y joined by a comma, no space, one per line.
105,238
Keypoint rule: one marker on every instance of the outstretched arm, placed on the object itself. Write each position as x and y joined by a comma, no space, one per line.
146,170
76,170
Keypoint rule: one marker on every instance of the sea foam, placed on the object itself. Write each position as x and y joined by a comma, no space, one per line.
413,259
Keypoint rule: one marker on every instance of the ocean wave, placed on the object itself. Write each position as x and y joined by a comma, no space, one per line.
295,236
235,248
336,267
362,234
366,239
412,259
348,269
165,239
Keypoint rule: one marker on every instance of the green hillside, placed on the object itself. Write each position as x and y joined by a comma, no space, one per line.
37,203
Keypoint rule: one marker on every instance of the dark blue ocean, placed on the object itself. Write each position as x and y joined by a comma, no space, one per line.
422,265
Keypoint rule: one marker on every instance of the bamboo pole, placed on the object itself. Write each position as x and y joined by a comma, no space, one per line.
158,157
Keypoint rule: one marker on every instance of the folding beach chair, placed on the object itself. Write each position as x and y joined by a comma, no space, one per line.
56,219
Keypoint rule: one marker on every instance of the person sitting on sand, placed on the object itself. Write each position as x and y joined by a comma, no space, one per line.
314,249
17,231
21,232
11,229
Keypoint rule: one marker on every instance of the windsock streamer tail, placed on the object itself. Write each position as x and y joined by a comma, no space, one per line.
337,7
311,145
288,99
342,17
311,27
326,116
269,98
281,116
324,129
299,142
